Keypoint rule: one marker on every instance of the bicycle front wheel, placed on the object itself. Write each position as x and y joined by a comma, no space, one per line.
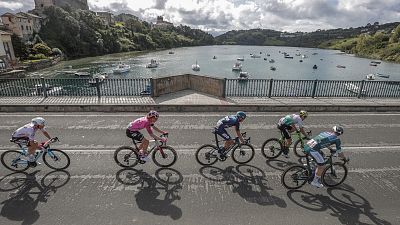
165,156
243,153
271,148
204,155
294,177
298,149
12,160
334,174
126,156
56,159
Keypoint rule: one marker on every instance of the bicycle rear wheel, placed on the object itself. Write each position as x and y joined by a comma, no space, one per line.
126,156
294,177
271,148
165,156
204,155
298,149
56,159
243,153
333,175
12,160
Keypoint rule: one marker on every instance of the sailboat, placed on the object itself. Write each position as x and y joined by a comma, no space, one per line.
196,67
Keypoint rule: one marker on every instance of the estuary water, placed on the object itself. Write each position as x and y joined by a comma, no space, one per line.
217,61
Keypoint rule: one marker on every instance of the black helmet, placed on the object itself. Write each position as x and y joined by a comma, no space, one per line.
338,130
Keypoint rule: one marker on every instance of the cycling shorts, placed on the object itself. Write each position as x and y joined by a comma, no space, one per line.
318,157
223,133
285,130
134,135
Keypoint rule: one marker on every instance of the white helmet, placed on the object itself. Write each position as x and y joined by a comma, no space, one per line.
39,121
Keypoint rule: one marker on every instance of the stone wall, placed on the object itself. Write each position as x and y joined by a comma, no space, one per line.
208,85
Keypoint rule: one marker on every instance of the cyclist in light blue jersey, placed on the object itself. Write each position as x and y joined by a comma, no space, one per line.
313,148
226,122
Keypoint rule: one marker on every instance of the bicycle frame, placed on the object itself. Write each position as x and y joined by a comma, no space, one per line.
24,152
157,145
237,142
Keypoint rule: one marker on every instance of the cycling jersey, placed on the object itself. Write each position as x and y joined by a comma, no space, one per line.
27,131
141,123
290,120
321,141
228,121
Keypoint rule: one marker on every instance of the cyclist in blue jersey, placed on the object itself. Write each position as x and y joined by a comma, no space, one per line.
288,125
313,148
226,122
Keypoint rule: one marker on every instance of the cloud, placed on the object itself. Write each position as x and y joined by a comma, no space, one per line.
217,16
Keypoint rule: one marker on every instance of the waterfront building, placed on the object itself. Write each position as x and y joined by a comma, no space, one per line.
18,24
161,23
7,56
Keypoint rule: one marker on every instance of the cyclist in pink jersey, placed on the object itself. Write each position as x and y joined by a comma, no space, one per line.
146,122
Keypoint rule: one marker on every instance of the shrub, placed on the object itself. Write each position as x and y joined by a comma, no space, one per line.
42,49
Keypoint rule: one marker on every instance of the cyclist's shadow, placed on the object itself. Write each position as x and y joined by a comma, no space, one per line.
148,197
343,203
21,206
247,181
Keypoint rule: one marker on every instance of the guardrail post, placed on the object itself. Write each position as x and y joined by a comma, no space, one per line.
270,88
98,87
361,89
152,87
224,88
44,87
314,88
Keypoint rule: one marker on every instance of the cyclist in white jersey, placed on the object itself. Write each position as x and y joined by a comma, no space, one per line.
26,135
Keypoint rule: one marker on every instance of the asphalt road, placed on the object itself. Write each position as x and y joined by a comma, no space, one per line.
94,190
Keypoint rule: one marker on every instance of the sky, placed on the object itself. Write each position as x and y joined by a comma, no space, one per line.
220,16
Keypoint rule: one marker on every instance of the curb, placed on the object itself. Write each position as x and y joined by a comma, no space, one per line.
198,108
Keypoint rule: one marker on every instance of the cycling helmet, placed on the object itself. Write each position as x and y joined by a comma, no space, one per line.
39,121
303,113
241,115
152,114
338,130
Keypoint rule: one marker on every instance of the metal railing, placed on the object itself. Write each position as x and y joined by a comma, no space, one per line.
233,87
74,87
311,88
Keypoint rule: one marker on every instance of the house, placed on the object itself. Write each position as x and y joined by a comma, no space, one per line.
36,20
160,23
106,17
20,25
7,56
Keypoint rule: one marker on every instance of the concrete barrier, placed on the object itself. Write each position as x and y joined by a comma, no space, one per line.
209,85
197,108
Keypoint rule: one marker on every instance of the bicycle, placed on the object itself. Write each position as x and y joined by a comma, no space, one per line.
239,151
127,156
272,148
333,175
13,159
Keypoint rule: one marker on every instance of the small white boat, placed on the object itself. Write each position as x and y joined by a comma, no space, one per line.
273,68
82,74
237,67
153,64
243,76
382,75
122,68
271,61
171,52
370,76
255,56
354,88
196,67
240,59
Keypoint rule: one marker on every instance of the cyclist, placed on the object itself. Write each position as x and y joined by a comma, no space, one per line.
313,148
25,135
229,121
288,124
147,122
